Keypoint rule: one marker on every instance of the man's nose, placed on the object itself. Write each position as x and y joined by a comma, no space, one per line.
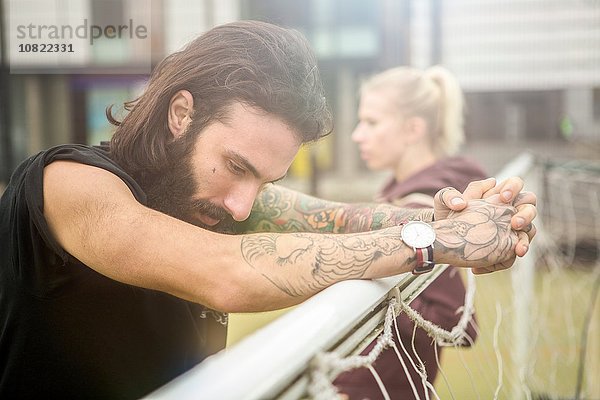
239,202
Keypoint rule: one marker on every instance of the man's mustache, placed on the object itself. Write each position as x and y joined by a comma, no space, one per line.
209,209
226,221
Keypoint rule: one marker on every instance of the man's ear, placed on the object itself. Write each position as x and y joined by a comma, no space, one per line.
415,129
180,112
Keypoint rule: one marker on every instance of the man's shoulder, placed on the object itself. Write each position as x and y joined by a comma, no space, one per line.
78,153
28,174
91,158
74,152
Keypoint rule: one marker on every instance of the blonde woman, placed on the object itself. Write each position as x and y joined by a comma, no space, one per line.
411,123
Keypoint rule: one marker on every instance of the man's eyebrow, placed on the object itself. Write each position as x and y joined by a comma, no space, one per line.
244,162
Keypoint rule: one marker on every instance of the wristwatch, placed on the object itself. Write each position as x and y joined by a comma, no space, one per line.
420,236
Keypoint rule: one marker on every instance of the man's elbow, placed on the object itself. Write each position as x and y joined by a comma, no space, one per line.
244,293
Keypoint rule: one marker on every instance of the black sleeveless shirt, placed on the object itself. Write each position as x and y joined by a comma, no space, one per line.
67,331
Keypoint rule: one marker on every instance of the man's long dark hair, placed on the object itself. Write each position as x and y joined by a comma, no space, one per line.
257,63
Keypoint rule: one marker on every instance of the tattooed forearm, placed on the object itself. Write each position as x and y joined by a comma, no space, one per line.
278,209
301,264
270,210
280,258
386,216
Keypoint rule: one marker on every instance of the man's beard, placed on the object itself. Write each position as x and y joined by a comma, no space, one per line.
171,192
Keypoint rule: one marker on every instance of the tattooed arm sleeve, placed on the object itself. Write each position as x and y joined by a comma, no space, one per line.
278,209
303,264
300,264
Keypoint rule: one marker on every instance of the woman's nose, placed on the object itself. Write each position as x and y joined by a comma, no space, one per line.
357,134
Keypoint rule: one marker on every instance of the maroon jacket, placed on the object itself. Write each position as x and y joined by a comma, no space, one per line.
438,303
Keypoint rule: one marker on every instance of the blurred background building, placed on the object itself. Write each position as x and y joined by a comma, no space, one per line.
530,70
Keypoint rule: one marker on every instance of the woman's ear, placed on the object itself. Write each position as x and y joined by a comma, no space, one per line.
180,112
415,129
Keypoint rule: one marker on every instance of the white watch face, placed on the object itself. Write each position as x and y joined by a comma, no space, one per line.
418,234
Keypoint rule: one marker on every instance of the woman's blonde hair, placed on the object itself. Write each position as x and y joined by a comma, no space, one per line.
434,95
